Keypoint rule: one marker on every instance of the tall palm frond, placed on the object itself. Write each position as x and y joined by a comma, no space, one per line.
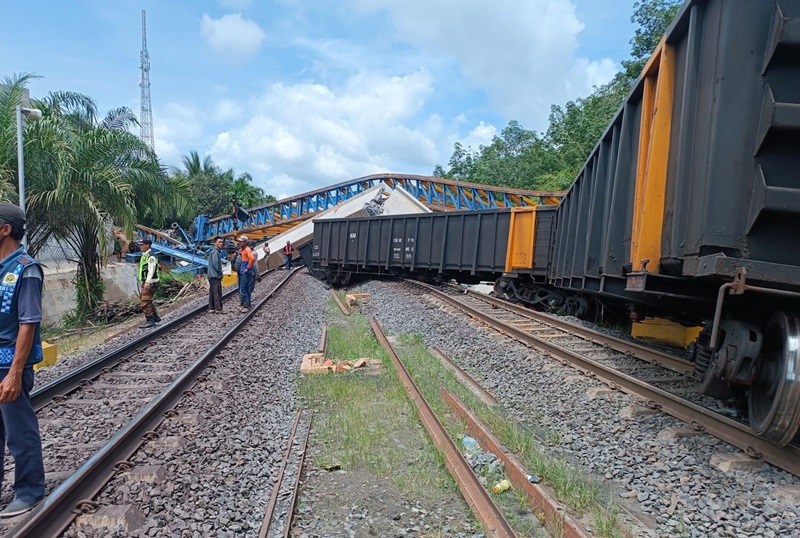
120,119
83,176
194,167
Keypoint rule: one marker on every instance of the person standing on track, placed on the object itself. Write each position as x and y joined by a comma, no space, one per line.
288,250
21,280
266,256
215,277
148,276
256,276
245,271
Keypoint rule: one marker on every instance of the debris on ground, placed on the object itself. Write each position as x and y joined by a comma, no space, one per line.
352,298
316,363
487,467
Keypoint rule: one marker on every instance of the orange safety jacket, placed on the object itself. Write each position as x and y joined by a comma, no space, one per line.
288,249
248,260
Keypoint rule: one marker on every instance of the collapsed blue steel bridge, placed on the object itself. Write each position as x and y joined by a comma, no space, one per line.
437,193
277,217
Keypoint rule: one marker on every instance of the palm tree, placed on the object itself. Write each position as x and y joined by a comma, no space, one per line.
84,175
248,194
193,167
209,185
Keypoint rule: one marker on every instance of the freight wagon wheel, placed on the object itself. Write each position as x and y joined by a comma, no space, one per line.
774,397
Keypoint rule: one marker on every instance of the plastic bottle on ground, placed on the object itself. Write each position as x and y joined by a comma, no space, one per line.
470,445
501,486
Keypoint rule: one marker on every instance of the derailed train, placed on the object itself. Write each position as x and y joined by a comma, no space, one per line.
688,208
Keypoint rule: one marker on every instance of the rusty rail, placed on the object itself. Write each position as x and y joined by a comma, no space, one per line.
73,379
627,348
553,514
273,500
290,512
57,511
485,510
339,303
467,380
323,339
724,428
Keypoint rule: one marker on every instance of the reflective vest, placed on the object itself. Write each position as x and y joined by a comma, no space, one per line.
288,249
143,266
9,317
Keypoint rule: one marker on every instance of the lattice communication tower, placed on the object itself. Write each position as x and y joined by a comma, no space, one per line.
146,116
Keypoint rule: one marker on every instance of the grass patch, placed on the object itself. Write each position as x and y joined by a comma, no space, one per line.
571,486
364,419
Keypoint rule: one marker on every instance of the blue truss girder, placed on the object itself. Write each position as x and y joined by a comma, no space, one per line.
194,258
433,191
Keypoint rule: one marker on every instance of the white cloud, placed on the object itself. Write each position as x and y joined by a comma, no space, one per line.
481,135
303,136
232,35
227,110
521,53
598,73
365,107
176,125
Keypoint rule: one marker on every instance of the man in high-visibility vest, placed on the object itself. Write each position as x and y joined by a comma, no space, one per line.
21,281
288,250
148,276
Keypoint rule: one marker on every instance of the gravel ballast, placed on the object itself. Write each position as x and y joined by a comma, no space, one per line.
220,455
670,483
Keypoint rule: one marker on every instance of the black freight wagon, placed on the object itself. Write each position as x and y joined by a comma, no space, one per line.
467,245
687,208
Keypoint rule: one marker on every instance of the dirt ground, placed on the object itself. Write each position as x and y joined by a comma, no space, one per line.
356,503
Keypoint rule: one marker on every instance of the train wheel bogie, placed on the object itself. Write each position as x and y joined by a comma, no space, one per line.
774,396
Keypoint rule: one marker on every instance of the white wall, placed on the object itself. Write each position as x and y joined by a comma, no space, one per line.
59,290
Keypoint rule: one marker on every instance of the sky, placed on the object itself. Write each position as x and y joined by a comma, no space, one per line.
303,94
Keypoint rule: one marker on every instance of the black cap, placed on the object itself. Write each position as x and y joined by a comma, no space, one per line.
13,215
145,241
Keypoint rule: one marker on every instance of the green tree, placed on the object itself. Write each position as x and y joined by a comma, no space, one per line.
653,18
513,159
575,129
551,160
208,184
83,175
248,194
212,187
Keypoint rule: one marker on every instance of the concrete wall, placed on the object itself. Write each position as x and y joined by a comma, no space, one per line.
59,290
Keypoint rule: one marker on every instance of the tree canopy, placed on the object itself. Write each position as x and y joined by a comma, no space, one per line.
524,159
212,187
83,175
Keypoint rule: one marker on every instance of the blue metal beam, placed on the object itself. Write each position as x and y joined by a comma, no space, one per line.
196,258
433,191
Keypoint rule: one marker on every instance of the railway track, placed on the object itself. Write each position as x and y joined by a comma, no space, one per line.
619,365
280,510
130,390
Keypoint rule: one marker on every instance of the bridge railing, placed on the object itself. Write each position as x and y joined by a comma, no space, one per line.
438,193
